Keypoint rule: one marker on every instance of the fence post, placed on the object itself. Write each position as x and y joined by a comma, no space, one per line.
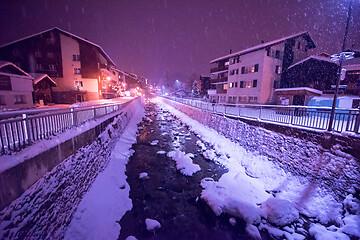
94,111
357,122
27,128
260,112
292,111
73,117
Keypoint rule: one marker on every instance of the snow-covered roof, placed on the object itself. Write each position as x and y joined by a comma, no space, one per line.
66,33
299,89
5,63
320,58
353,67
40,76
264,45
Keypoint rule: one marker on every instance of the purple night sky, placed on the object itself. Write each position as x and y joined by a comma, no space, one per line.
150,37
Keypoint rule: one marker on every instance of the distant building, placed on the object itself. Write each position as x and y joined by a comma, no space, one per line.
16,87
43,84
305,79
78,66
351,82
253,74
205,85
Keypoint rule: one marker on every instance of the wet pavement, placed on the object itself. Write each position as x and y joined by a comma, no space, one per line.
166,195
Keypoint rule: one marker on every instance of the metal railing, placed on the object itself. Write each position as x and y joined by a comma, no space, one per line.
303,116
22,128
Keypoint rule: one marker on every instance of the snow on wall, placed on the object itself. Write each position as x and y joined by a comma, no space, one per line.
331,168
55,196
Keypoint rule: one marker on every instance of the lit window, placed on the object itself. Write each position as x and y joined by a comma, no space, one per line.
77,71
79,84
277,69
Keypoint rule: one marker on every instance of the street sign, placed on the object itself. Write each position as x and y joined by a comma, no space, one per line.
342,74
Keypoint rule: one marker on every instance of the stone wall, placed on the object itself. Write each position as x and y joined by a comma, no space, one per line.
329,159
16,180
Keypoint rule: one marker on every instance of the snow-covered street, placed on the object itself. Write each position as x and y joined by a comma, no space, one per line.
166,176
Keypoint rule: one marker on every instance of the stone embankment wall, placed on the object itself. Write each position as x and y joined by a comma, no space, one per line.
16,180
329,159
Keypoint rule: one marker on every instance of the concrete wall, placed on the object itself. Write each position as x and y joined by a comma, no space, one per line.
16,180
330,160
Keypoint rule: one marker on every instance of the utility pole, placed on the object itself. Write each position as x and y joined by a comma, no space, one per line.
340,57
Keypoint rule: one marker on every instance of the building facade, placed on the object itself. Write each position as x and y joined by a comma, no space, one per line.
74,63
16,87
253,74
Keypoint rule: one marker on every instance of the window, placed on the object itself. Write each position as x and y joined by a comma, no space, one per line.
231,85
225,86
5,83
248,84
276,84
79,84
77,71
256,67
232,61
252,99
238,59
19,99
277,54
243,70
76,57
242,99
38,54
277,69
50,40
2,100
50,54
237,71
236,84
232,72
254,83
242,84
52,67
39,67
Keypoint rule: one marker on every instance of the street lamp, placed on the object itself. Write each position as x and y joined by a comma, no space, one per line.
340,57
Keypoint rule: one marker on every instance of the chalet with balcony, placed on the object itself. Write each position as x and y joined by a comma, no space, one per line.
252,75
76,65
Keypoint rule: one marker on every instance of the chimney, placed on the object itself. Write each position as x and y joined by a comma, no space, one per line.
230,51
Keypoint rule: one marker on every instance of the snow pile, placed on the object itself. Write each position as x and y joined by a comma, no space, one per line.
155,142
320,232
143,175
152,224
280,212
184,162
131,238
160,152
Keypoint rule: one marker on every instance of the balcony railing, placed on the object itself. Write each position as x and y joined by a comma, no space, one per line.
345,120
219,69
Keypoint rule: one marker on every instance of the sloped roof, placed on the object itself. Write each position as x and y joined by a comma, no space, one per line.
5,63
319,58
40,76
267,44
65,33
